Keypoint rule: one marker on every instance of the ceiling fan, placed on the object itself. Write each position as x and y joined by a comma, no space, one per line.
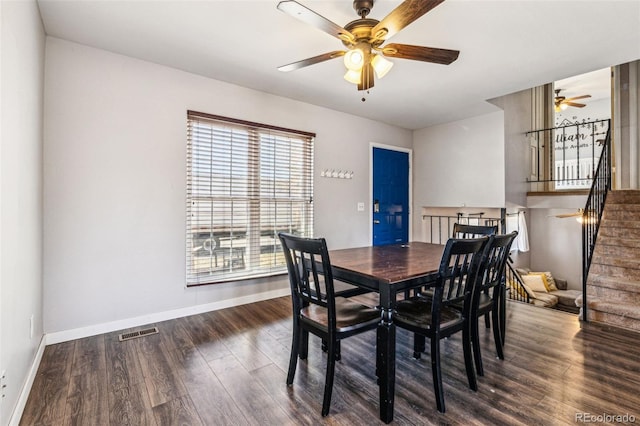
566,215
579,215
561,103
364,39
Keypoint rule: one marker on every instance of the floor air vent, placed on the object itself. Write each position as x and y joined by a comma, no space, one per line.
139,333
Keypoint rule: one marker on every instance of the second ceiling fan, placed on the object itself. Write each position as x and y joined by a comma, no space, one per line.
364,39
561,103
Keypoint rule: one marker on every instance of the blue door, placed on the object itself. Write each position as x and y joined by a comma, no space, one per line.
390,196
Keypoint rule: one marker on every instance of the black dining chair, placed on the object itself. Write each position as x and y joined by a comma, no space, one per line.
316,309
461,230
436,318
489,295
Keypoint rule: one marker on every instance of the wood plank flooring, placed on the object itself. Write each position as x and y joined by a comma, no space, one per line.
229,367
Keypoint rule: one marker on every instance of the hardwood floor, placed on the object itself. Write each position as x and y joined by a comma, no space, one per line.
228,367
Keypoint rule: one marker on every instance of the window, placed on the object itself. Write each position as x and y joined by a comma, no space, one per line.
245,183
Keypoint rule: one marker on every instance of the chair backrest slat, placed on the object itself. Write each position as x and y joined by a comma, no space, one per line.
457,274
461,230
494,262
310,275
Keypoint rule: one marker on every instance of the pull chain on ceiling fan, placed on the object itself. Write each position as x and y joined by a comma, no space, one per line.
561,103
364,38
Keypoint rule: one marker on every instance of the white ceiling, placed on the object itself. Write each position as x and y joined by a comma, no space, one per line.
595,83
505,46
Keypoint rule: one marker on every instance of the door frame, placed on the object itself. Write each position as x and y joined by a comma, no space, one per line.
409,151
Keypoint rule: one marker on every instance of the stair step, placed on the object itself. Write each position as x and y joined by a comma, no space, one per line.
621,262
614,270
624,196
629,233
617,296
621,211
619,242
613,289
613,284
617,223
625,284
629,207
614,320
619,315
618,250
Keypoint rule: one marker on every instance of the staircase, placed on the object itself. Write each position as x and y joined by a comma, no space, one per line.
613,284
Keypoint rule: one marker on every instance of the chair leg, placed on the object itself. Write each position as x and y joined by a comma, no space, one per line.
419,345
475,343
437,374
328,384
487,322
497,332
304,344
470,341
502,308
293,359
325,348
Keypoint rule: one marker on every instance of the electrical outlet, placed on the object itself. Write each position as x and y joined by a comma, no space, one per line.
360,207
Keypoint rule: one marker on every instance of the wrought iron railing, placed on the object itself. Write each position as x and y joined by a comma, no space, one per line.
592,214
440,227
572,161
514,284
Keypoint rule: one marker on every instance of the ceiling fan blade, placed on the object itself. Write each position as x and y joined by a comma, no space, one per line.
310,61
565,215
306,15
401,16
573,104
577,97
420,53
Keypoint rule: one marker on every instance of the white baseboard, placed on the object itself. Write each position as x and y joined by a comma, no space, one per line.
78,333
14,420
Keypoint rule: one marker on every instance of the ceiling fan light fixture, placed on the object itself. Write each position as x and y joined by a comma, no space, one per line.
381,65
353,76
563,106
354,59
364,36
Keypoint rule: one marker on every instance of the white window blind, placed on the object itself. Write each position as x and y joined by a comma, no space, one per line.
245,183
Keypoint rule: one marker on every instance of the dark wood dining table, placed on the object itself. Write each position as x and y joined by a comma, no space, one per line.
387,270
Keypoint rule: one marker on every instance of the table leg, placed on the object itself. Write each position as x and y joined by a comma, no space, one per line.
386,358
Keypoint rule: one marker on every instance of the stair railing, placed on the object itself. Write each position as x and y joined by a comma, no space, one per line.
514,284
440,227
572,151
592,214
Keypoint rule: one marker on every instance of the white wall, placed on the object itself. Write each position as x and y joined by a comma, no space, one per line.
556,244
21,91
115,182
626,129
518,114
459,164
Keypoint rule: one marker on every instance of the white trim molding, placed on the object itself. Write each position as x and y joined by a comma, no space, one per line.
92,330
14,420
